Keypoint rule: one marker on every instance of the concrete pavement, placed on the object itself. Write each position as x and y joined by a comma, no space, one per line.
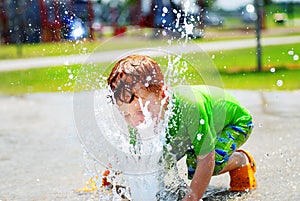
110,56
41,157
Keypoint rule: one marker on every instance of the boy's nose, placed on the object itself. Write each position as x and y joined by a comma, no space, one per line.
137,119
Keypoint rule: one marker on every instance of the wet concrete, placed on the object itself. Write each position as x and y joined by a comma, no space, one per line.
41,156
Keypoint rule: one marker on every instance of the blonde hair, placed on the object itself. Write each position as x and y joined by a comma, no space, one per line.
133,70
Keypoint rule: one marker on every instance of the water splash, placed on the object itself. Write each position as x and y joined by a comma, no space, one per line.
148,121
296,57
279,83
293,54
139,165
272,70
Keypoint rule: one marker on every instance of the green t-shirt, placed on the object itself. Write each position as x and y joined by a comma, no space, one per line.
199,114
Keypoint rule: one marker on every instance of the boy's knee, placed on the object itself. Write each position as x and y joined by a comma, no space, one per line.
239,158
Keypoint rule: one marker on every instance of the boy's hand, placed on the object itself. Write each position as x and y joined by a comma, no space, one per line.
202,176
191,197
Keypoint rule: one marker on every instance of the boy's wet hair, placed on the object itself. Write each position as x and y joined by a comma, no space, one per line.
133,70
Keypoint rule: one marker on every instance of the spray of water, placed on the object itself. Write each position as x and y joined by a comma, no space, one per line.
148,121
140,163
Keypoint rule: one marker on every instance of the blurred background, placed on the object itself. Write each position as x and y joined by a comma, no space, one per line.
36,21
59,28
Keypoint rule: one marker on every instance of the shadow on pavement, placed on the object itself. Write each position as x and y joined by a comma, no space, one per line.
223,194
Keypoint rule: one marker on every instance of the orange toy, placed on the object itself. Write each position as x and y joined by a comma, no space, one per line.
91,184
242,179
90,187
104,178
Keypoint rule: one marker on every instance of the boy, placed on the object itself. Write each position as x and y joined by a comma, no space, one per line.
207,124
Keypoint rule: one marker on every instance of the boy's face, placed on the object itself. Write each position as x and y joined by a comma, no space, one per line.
144,103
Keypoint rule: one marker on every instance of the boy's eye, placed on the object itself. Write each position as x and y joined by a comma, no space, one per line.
124,94
127,97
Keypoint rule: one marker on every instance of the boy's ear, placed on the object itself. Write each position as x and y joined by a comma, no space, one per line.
163,89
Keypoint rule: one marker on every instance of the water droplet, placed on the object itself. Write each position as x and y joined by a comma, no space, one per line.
169,147
202,121
71,76
189,28
165,9
199,136
272,70
225,67
260,125
291,52
69,71
59,88
279,83
148,78
296,57
213,56
37,179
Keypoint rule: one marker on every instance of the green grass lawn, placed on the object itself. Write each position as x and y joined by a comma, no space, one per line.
13,51
235,68
135,39
282,79
245,59
59,79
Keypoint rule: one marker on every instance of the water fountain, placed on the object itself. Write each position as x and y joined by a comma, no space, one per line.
138,160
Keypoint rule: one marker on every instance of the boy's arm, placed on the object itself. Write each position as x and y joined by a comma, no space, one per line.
202,176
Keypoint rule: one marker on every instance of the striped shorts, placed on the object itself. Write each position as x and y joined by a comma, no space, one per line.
228,141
